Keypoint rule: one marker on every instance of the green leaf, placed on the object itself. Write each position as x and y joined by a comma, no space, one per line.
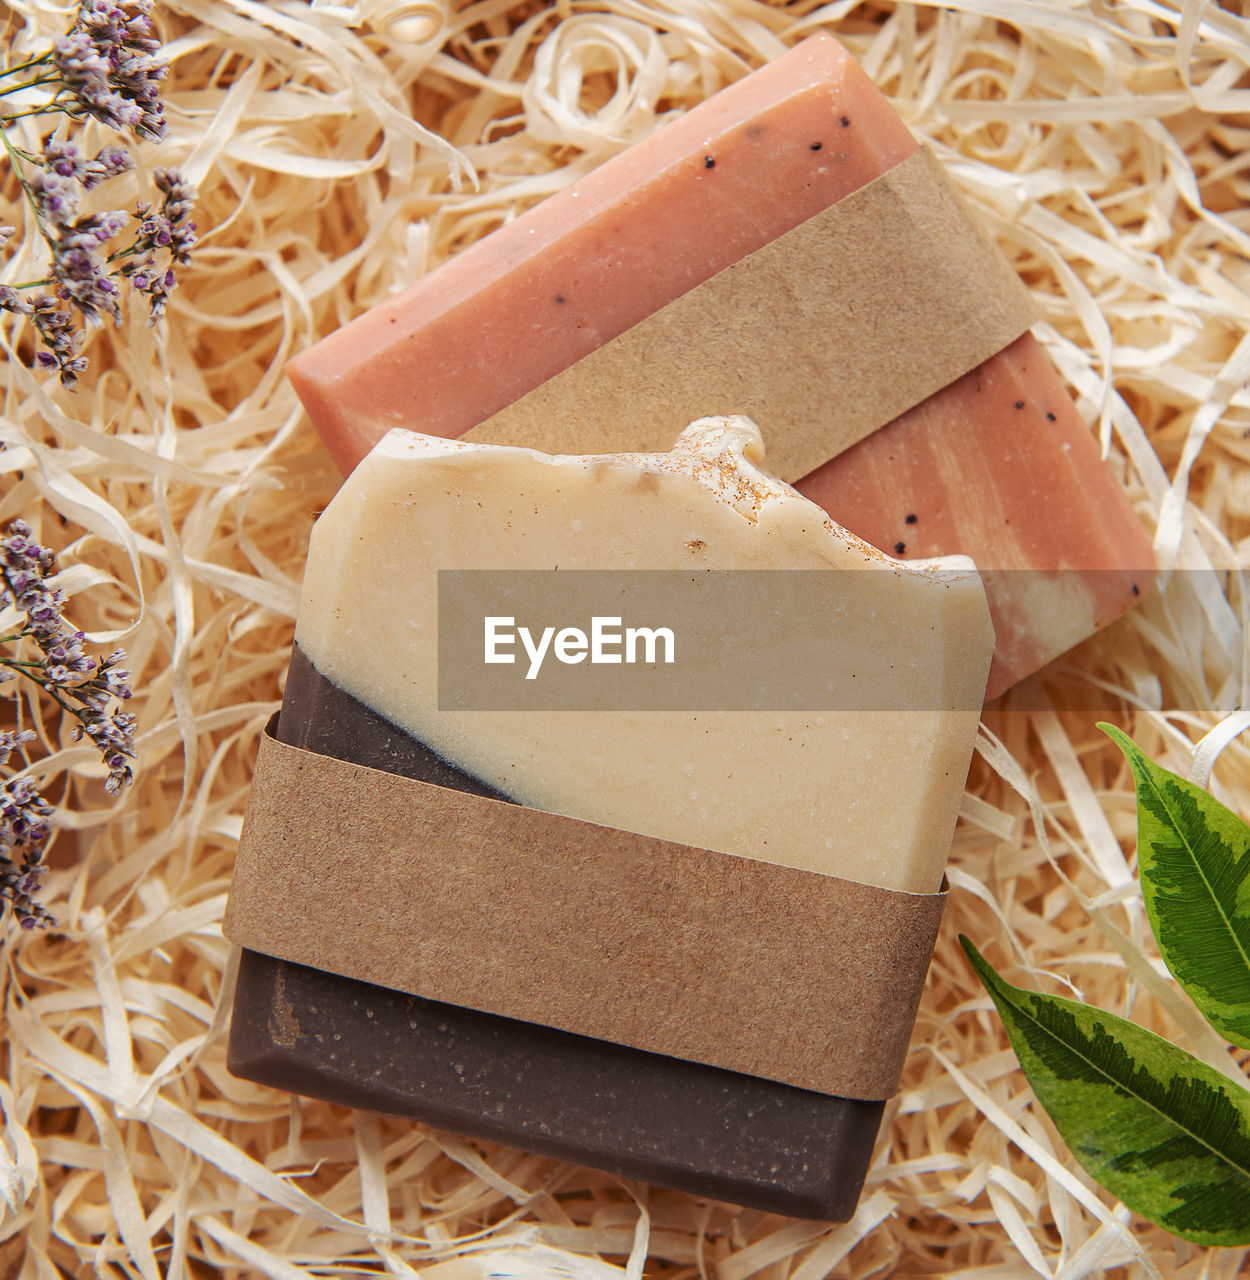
1164,1132
1193,856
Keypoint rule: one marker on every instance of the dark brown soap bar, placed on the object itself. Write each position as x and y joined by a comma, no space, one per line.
642,1115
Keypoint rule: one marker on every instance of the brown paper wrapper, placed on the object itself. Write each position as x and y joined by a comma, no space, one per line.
807,979
822,336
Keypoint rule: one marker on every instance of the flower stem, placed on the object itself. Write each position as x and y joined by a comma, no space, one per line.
30,84
20,667
24,66
34,111
15,161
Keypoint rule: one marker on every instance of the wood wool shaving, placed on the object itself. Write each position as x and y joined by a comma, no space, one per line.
341,149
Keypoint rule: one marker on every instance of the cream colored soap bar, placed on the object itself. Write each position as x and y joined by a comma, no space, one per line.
870,795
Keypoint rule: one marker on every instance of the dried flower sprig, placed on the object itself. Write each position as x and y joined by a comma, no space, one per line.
43,648
105,68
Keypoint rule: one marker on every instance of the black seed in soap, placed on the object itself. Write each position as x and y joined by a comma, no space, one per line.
1050,417
899,548
816,146
560,298
709,162
1019,404
845,121
911,518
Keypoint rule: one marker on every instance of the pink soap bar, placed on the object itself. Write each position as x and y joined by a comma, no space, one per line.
999,465
591,261
744,167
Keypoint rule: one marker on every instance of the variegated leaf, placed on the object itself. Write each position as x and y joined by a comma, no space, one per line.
1164,1132
1193,857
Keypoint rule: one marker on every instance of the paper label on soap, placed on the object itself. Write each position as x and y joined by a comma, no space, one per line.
822,336
750,966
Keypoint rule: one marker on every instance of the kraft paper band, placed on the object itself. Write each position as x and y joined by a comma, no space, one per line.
823,336
791,975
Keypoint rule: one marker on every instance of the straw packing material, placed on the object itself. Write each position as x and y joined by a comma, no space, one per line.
340,150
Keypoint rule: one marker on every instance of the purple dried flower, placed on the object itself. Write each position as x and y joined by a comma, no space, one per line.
116,678
81,276
109,162
24,836
62,341
167,230
62,158
79,63
156,285
11,300
176,206
55,197
11,740
84,282
85,73
89,690
20,550
109,68
108,64
66,161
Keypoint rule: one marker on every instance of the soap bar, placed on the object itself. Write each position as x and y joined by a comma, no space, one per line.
421,504
529,300
1001,449
649,1116
743,168
814,790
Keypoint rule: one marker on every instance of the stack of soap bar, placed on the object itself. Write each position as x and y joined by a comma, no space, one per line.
868,794
746,166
